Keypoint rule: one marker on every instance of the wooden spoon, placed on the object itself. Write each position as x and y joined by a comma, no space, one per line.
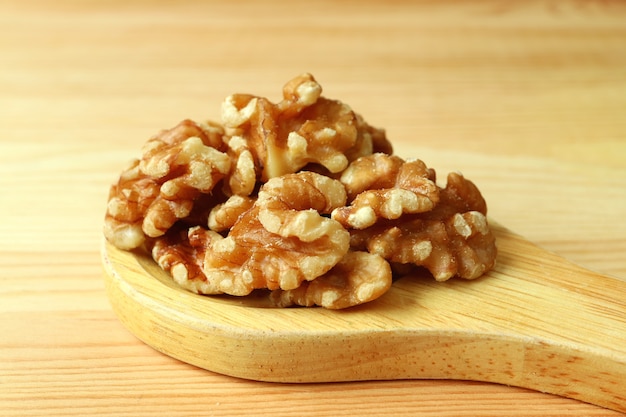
535,321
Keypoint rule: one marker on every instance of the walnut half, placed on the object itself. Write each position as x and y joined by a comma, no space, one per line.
358,278
453,239
177,166
304,128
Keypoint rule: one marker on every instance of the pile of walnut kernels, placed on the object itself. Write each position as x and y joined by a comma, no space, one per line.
302,198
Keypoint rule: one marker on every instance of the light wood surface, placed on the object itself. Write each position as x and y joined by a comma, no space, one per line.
527,99
534,321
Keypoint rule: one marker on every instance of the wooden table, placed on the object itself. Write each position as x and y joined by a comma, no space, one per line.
527,99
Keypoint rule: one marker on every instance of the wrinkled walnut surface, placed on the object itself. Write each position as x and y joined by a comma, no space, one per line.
385,187
301,197
358,278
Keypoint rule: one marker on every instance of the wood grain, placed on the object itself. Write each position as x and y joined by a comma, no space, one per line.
535,321
526,98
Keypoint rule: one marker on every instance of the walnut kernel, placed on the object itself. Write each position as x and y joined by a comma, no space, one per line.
301,197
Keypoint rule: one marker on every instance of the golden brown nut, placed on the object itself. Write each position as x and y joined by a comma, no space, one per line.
128,201
461,246
303,190
176,167
393,188
192,169
370,140
374,172
303,128
224,216
242,178
458,196
358,278
181,253
451,240
280,242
